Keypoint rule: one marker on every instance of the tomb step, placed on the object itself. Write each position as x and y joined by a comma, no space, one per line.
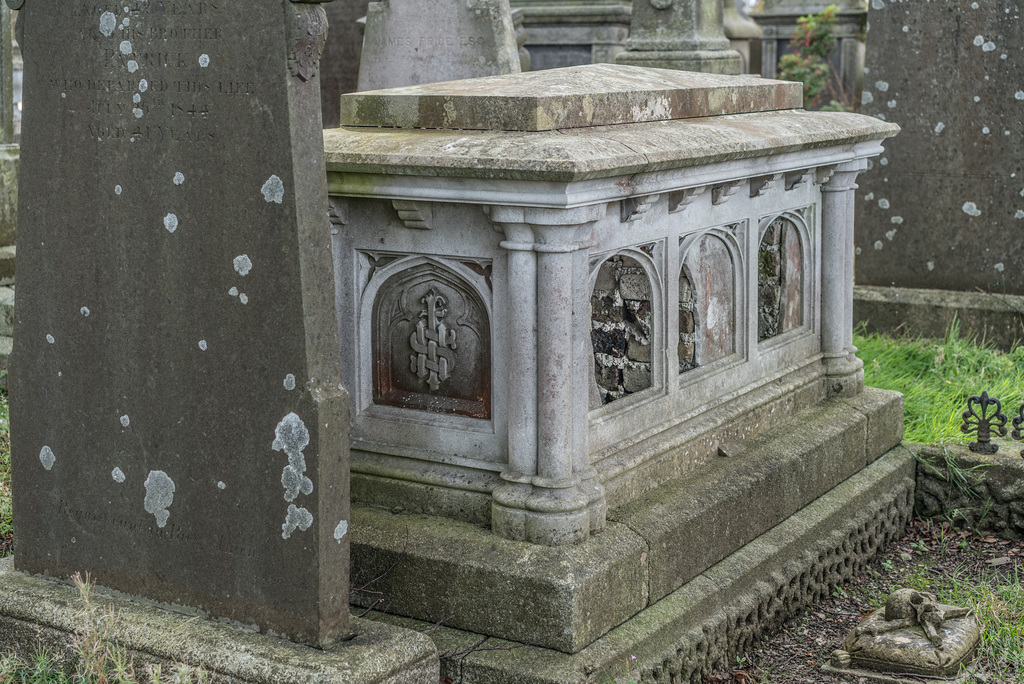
564,598
721,613
36,610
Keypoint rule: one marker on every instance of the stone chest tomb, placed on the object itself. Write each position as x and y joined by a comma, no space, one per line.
558,290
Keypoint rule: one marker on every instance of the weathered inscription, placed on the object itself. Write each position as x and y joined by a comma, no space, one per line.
431,41
156,89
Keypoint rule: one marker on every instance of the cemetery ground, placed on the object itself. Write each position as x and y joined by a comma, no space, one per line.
961,565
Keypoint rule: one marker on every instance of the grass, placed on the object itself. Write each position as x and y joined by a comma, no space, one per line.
937,376
5,472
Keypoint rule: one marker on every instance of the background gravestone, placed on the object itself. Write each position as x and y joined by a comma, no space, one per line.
8,150
339,67
944,207
411,42
680,34
178,424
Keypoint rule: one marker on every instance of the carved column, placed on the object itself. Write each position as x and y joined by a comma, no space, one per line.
843,369
550,494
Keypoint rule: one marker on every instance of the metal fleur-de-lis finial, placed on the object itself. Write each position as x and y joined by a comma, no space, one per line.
984,423
1018,425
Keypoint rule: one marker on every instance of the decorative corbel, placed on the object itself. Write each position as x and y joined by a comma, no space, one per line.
796,178
762,184
635,207
415,215
720,194
678,200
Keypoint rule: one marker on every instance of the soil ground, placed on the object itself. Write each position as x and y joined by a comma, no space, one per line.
930,553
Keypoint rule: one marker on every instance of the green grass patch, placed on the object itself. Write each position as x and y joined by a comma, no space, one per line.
5,470
937,376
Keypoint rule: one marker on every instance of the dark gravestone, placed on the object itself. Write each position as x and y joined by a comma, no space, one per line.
944,206
339,67
179,428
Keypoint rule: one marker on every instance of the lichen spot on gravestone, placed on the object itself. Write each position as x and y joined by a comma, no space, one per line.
159,496
291,437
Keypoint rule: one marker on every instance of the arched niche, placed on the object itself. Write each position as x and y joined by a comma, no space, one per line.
709,267
622,314
431,343
780,279
688,323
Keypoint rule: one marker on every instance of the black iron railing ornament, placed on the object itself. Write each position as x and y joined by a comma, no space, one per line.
1018,426
984,423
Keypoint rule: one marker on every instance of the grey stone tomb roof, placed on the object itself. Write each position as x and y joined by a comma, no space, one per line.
573,97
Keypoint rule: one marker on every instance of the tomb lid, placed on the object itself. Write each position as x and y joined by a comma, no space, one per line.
573,97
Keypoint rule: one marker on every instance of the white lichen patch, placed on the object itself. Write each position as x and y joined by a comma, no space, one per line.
930,265
143,85
985,130
171,223
999,267
204,60
988,47
906,28
878,244
125,420
869,197
136,98
884,161
244,298
47,457
233,292
341,530
159,496
898,220
117,475
291,437
1019,95
890,235
108,22
289,382
882,86
858,251
878,4
50,339
133,66
243,264
85,311
179,178
891,104
1019,214
202,344
866,97
137,112
939,127
883,203
971,209
126,47
977,98
297,518
273,190
221,485
979,41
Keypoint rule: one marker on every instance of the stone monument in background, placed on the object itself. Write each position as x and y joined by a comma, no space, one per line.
339,66
9,151
179,426
680,34
940,215
564,33
409,42
778,20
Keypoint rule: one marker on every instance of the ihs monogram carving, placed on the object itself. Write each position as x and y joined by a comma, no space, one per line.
310,38
433,343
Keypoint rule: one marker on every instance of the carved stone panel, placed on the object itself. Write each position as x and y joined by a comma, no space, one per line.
687,324
432,343
621,328
779,280
712,267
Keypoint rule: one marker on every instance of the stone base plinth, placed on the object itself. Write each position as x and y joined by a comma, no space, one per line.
568,598
718,614
706,61
995,318
36,611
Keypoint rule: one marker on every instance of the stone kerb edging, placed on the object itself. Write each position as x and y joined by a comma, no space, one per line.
972,490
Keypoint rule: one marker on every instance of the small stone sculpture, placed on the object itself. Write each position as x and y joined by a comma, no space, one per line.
915,634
